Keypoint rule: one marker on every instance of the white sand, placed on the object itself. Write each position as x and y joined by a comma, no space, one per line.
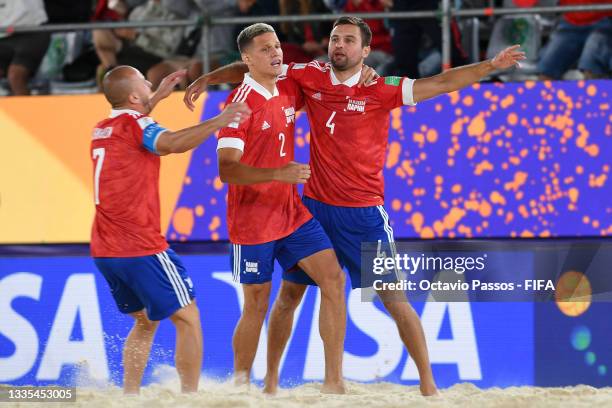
215,394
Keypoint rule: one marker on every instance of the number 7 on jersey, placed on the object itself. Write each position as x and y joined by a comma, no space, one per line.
99,154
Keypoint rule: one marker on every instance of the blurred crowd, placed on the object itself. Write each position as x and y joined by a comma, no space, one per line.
580,43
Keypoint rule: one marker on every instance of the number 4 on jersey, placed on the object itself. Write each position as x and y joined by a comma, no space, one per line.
330,124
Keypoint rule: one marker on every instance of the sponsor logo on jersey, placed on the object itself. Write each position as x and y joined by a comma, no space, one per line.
317,96
251,267
265,125
354,105
104,133
290,114
393,80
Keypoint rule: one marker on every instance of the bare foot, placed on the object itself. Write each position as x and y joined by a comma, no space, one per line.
429,389
270,384
241,378
333,388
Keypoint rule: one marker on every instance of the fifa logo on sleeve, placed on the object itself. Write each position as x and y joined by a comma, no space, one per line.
289,114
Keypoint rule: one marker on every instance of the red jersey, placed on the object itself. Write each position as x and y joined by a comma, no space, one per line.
349,129
126,186
264,212
584,18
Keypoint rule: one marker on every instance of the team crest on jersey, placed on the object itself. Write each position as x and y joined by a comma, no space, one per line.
251,267
355,105
289,114
102,133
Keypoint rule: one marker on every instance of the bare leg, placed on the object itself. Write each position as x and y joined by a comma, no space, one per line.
136,351
324,269
279,329
411,333
248,329
107,46
189,346
18,77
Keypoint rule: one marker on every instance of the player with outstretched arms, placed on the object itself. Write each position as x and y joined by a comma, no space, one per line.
146,278
349,127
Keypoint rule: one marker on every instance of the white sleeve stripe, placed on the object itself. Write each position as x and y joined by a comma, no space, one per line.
246,93
157,138
407,96
239,92
231,142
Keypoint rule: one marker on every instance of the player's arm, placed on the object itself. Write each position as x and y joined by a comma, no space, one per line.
234,73
167,142
228,74
231,171
460,77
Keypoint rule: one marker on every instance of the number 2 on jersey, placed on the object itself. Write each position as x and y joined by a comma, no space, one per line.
331,125
281,137
99,154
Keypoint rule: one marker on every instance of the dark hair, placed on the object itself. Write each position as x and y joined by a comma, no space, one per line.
366,33
246,36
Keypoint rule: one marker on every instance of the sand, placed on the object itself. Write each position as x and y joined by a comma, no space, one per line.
217,394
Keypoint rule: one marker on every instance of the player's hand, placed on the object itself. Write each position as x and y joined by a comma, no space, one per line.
368,76
194,90
508,58
236,112
167,85
293,173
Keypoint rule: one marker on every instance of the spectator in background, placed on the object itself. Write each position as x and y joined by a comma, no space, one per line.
566,46
156,51
253,8
305,41
597,61
408,37
381,54
22,53
69,11
222,45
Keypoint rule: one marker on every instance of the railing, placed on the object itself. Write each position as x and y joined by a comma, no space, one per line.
445,13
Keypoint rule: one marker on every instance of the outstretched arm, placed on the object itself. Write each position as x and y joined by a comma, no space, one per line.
228,74
186,139
460,77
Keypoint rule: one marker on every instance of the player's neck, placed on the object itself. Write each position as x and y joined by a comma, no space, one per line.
138,108
267,81
343,76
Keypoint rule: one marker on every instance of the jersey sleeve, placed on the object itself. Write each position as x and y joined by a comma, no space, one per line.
295,72
292,88
233,135
148,132
396,91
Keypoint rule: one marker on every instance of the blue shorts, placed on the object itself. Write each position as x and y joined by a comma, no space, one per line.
255,263
347,228
158,283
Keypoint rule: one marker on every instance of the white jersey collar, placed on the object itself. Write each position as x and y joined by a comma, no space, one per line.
352,81
116,112
259,88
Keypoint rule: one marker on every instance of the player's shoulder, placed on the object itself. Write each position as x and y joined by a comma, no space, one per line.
244,93
384,84
312,68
